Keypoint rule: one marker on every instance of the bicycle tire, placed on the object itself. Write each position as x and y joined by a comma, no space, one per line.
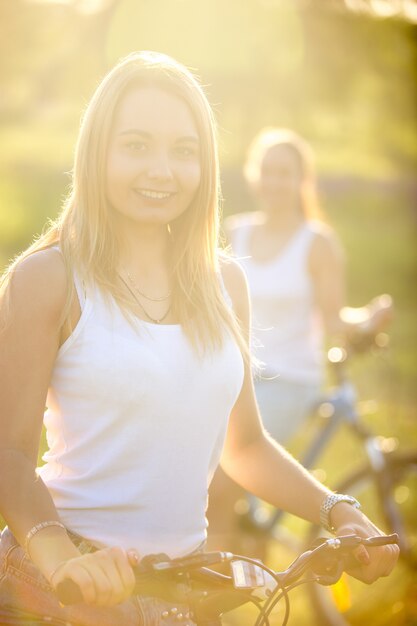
351,603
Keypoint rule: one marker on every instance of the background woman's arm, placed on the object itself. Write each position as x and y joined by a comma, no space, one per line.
327,269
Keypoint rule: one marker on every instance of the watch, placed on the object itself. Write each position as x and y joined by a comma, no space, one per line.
328,503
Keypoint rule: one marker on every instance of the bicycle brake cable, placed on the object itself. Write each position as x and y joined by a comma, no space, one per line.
265,612
273,601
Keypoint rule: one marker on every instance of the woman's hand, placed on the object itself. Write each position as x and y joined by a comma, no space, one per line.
105,577
372,562
364,324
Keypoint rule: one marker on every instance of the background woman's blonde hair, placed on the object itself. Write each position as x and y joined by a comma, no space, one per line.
271,137
84,232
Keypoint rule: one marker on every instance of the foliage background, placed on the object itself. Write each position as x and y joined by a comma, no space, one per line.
344,80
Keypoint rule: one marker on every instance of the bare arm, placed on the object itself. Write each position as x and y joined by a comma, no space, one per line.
250,457
263,467
28,349
327,269
29,344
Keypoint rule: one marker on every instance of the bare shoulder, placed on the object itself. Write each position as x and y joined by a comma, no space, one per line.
234,279
232,273
39,283
326,246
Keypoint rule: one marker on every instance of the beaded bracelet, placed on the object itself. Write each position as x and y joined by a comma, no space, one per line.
35,529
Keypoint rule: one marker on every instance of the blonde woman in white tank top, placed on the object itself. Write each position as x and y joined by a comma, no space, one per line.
123,320
295,270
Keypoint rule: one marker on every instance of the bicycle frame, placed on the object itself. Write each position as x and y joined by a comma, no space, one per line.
342,408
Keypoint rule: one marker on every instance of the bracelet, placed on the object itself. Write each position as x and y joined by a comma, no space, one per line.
35,529
54,571
328,503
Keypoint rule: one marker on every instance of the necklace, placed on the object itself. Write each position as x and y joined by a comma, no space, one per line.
136,288
155,320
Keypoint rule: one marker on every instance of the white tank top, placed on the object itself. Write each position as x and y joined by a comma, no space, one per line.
286,328
136,422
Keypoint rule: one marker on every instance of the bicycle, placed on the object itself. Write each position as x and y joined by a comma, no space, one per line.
386,483
209,594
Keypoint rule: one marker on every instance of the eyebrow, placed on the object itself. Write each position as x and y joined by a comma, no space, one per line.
141,133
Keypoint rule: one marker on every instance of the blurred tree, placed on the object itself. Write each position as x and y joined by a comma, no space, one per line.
402,9
327,68
342,78
50,48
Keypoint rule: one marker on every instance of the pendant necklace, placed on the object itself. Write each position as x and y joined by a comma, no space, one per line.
133,292
136,288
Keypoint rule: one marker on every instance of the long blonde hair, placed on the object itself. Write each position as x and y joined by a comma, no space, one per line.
272,137
83,230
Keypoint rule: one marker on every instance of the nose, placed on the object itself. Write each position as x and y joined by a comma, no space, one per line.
160,167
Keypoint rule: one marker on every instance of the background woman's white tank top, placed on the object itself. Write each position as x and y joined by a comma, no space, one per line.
286,329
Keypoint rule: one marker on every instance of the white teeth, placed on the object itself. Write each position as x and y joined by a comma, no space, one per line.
156,195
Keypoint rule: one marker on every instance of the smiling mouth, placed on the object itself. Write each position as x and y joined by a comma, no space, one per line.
154,195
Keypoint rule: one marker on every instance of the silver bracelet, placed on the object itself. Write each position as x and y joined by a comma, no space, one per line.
35,529
54,571
328,503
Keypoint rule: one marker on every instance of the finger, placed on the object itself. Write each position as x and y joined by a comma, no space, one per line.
107,579
361,554
383,560
123,578
133,557
123,563
381,563
390,558
74,571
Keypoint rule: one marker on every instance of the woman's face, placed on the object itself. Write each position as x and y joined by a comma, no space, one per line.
153,160
280,179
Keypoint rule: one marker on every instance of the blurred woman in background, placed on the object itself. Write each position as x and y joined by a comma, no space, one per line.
294,264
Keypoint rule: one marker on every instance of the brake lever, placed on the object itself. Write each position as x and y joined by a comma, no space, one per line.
337,557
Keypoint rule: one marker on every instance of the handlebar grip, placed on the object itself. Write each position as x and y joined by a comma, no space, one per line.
349,560
384,540
329,565
69,592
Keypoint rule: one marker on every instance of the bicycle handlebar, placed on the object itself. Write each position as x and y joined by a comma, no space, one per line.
160,576
337,355
329,558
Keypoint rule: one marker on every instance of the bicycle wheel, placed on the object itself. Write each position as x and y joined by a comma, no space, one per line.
388,601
